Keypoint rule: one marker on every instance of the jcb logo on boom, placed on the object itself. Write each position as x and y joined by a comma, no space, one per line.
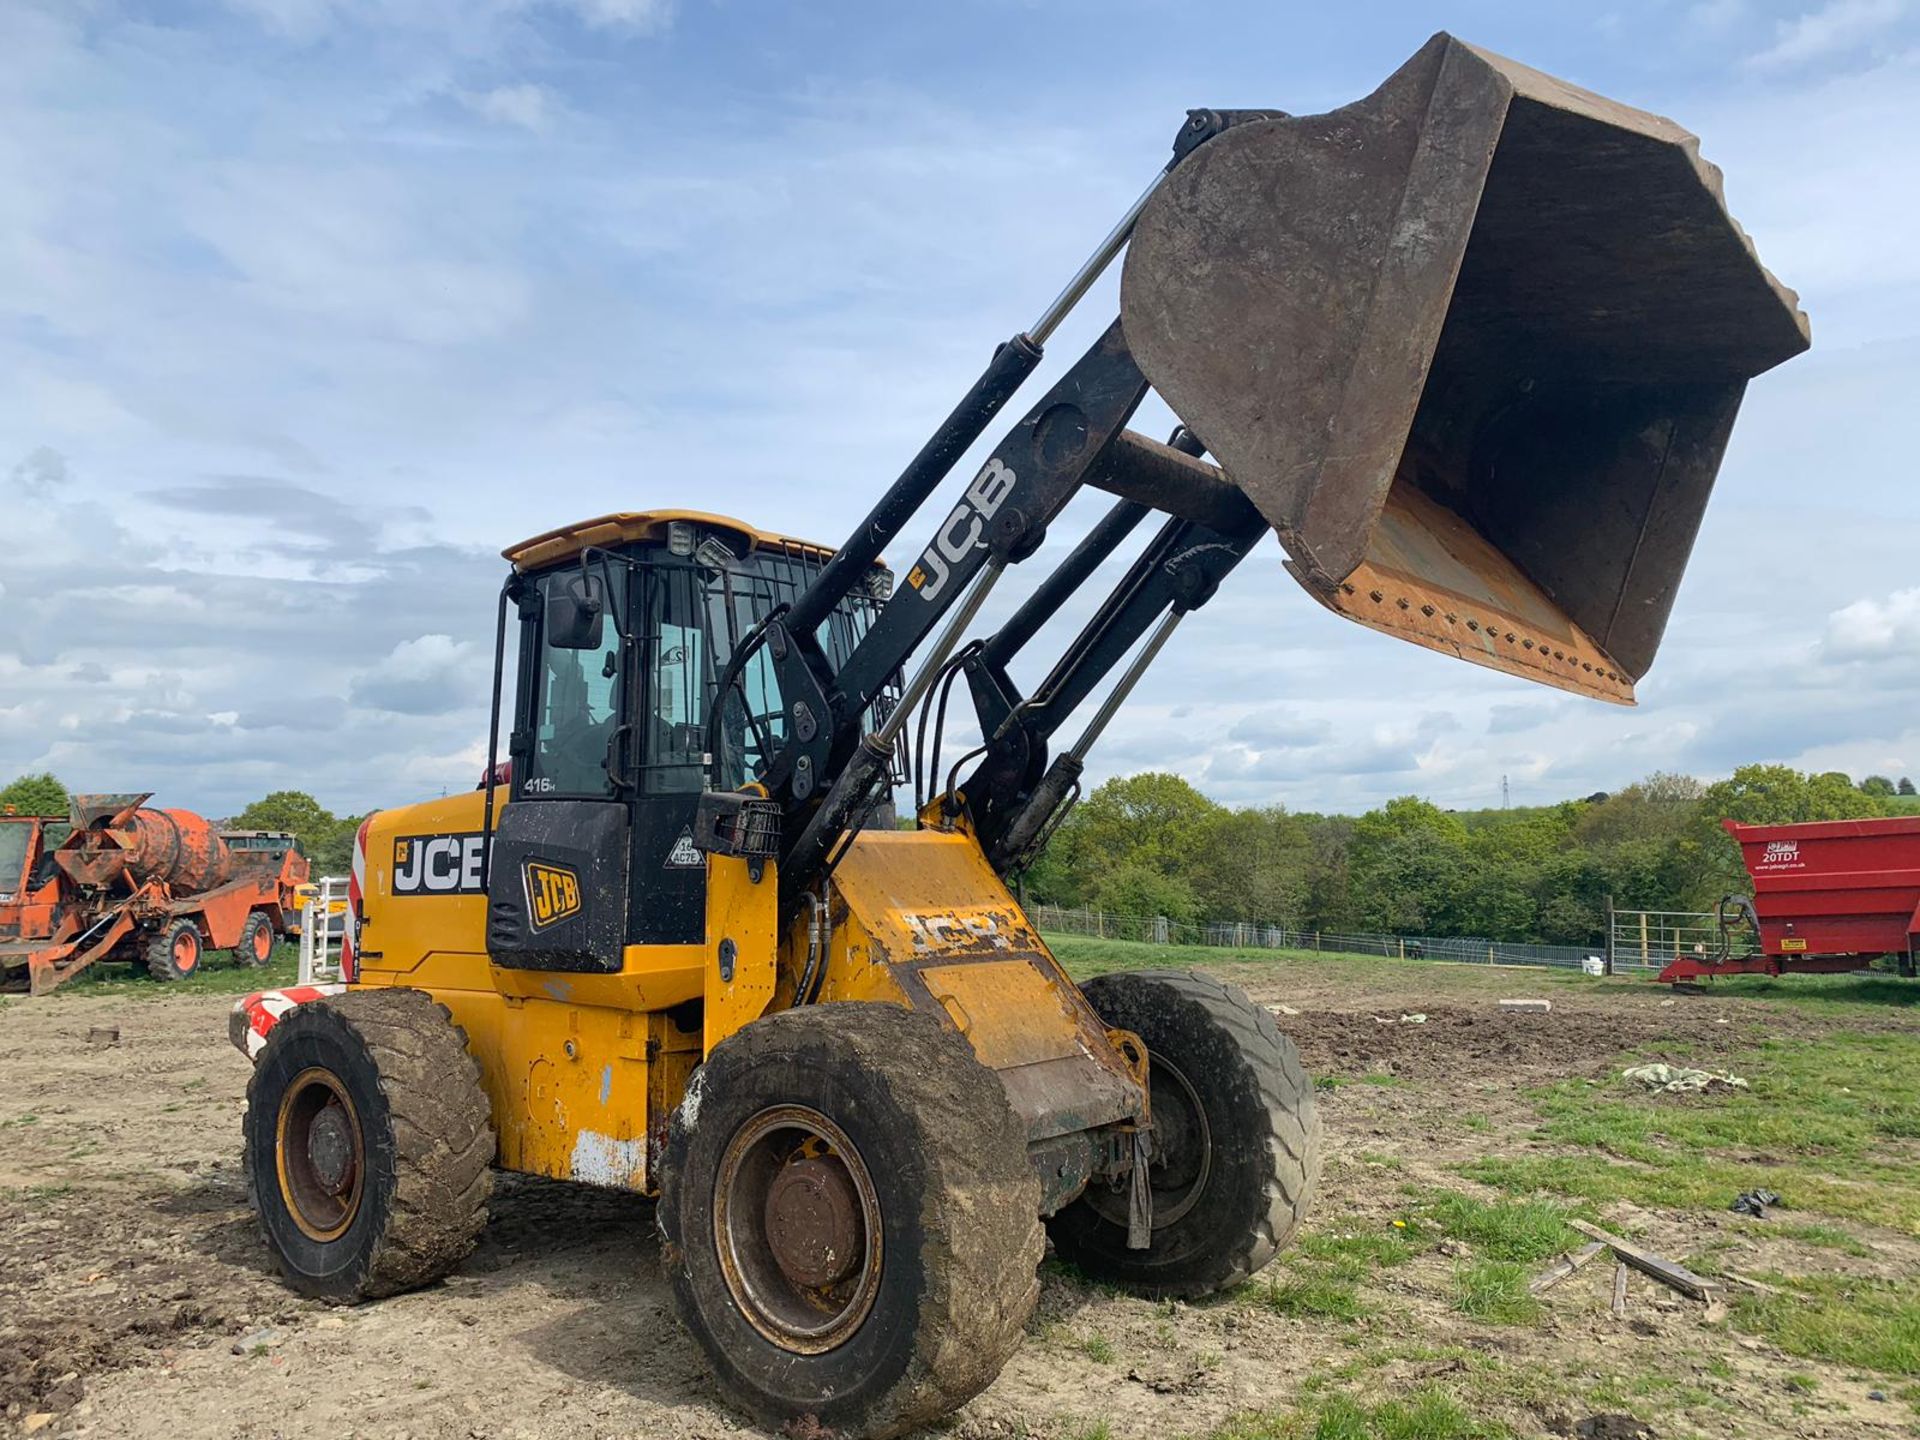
553,892
965,530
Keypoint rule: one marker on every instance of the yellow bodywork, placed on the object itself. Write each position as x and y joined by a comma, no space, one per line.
582,1070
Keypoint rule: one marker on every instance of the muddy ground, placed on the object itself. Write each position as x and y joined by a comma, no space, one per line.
136,1299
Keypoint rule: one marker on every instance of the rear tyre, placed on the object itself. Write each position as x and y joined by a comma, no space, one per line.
1236,1140
849,1220
255,945
368,1139
173,951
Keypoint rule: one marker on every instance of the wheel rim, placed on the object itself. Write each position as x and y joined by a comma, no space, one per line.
797,1225
1182,1150
186,950
320,1154
262,943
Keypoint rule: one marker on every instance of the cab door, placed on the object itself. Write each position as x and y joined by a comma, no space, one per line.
695,613
557,876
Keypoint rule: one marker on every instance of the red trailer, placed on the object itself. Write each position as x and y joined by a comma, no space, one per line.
1828,895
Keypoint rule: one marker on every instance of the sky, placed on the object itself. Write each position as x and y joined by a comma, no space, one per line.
310,307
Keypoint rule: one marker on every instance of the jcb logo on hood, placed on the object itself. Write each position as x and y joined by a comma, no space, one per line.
437,864
553,892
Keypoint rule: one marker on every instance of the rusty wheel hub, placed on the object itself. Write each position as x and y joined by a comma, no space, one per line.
813,1222
330,1149
1182,1151
319,1154
798,1229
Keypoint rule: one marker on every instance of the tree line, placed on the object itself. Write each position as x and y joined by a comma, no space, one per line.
1152,844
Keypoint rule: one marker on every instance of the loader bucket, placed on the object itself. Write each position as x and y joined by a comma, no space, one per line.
1473,347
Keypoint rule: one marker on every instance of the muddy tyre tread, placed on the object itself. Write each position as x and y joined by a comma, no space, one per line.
442,1137
982,1240
157,953
243,947
1290,1136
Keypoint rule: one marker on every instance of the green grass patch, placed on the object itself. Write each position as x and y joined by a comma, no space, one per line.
1824,1125
1495,1291
1355,1254
45,1193
1320,1277
1322,1274
218,974
1426,1414
1098,1348
1314,1295
1518,1230
1086,955
1869,1324
1827,1237
1867,990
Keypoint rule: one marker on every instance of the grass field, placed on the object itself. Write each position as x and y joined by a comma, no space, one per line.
218,974
1830,1122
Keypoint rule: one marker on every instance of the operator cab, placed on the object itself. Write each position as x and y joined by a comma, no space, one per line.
626,624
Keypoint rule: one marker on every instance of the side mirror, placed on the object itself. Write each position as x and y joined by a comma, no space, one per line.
576,613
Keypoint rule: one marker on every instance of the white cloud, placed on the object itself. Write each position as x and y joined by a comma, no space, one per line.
296,19
531,107
640,15
468,23
1869,628
428,675
43,471
1835,28
1717,16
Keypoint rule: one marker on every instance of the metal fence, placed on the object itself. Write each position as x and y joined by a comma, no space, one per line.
1648,939
322,924
1248,935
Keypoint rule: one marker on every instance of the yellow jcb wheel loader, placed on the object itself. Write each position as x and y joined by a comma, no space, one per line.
1471,347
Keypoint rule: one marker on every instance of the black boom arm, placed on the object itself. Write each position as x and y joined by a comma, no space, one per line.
829,771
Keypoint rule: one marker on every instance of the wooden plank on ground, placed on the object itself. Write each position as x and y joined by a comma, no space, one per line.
1665,1271
1564,1266
1753,1284
1619,1288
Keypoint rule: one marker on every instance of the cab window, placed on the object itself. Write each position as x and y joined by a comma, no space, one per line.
576,710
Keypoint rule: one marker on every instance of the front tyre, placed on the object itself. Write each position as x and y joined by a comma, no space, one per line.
173,951
1237,1143
255,945
849,1220
368,1139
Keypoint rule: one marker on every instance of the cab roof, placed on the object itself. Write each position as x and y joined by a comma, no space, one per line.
628,527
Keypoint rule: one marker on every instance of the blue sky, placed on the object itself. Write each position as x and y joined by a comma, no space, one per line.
308,307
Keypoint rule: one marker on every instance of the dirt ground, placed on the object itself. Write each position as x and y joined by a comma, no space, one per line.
137,1300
